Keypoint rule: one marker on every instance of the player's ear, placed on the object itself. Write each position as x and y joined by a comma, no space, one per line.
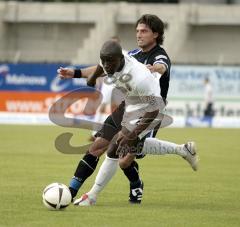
155,35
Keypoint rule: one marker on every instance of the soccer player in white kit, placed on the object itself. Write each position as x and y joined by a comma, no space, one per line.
143,105
150,34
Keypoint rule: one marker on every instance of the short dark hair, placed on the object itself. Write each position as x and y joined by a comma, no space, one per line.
155,24
111,47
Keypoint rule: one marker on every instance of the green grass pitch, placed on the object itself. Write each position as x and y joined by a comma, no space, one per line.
174,195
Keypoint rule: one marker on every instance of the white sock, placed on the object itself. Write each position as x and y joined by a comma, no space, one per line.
105,174
160,147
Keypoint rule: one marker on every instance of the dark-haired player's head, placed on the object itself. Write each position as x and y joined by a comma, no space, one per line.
149,31
111,57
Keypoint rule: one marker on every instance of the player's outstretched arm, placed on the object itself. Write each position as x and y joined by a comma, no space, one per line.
87,72
65,73
68,73
159,68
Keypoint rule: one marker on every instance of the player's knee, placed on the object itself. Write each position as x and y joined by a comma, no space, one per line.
98,147
96,153
124,163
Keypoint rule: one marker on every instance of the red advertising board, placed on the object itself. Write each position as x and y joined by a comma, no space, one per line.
40,102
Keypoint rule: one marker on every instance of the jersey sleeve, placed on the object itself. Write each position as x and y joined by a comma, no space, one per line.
162,59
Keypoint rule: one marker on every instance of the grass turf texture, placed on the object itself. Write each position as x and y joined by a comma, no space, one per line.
174,195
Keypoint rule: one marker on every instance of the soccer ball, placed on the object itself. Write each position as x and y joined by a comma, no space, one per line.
56,196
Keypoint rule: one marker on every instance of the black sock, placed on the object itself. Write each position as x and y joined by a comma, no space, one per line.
85,169
132,174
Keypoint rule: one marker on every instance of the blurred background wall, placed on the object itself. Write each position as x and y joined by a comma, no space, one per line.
196,33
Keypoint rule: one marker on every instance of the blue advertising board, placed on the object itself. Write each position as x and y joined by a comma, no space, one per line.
36,77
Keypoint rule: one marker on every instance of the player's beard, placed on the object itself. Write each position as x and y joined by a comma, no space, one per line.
145,46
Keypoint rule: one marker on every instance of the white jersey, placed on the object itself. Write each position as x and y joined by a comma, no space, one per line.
141,89
208,96
134,80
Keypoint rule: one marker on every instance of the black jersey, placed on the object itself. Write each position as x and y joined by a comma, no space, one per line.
156,55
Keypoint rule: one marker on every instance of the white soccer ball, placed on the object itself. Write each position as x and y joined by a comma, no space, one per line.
56,196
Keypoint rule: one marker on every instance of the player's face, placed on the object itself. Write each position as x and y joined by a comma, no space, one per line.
110,63
146,38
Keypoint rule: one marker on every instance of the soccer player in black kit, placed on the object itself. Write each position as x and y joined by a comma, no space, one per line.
150,35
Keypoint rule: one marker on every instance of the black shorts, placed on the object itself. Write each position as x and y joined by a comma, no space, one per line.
112,125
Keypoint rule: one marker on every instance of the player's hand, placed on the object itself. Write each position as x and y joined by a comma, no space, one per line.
125,144
65,73
151,68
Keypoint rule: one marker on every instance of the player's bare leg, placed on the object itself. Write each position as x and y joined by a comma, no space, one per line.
130,169
87,164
